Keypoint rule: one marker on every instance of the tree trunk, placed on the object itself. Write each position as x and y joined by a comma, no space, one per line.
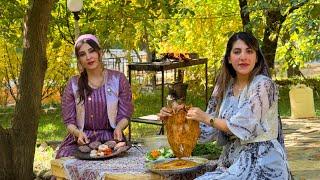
6,165
293,71
274,22
147,44
245,16
17,145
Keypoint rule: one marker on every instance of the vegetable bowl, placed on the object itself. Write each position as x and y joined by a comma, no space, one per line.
159,154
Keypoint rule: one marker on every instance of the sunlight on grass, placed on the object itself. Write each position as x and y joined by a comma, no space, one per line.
42,158
51,126
50,132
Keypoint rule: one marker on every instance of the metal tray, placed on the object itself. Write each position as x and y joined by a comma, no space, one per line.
201,162
86,156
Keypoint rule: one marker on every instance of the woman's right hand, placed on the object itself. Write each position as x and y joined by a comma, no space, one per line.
165,113
82,138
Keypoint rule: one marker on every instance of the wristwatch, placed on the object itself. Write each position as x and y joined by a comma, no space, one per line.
212,121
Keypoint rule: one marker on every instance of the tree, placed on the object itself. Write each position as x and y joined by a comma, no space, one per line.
276,12
245,16
299,41
11,63
17,145
203,30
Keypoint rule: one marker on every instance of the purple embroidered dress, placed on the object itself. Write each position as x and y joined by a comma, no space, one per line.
96,121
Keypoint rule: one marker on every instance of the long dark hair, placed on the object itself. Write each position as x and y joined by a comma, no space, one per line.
227,72
84,88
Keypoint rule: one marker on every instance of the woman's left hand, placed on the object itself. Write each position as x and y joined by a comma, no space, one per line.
117,134
197,114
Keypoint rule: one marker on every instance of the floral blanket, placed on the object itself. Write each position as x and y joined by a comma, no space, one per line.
131,163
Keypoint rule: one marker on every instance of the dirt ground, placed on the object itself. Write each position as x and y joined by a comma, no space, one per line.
302,139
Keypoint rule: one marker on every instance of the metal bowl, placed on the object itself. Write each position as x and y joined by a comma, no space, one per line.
200,163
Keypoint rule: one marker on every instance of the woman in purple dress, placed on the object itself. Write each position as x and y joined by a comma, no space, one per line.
97,104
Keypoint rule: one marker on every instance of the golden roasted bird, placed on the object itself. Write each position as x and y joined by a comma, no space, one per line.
182,133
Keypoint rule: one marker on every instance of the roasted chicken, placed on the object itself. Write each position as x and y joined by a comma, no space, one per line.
182,133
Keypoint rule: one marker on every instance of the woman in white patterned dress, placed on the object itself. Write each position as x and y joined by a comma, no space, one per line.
242,116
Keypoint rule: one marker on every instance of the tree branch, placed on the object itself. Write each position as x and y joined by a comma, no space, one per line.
138,55
63,35
60,31
7,79
296,7
10,74
49,86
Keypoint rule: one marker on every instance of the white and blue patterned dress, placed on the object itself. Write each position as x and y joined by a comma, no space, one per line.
252,151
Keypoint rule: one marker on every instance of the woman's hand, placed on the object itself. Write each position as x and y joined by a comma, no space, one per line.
165,113
117,134
197,114
82,138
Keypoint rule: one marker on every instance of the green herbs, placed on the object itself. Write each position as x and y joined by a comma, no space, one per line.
211,149
158,154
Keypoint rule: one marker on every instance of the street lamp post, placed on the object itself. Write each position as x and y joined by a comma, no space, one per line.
75,6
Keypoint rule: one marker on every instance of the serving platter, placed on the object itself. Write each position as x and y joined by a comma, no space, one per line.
200,162
115,153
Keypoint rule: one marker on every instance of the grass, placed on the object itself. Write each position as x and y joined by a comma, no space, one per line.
51,127
6,115
284,102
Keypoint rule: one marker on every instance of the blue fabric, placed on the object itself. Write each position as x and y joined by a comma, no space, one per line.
248,118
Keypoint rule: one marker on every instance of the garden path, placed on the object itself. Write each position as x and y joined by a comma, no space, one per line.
302,139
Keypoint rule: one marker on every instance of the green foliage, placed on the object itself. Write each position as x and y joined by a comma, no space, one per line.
210,148
60,68
164,26
159,154
58,53
313,83
9,68
299,37
11,20
122,24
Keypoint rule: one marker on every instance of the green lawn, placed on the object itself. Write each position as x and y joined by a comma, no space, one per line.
52,128
284,102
